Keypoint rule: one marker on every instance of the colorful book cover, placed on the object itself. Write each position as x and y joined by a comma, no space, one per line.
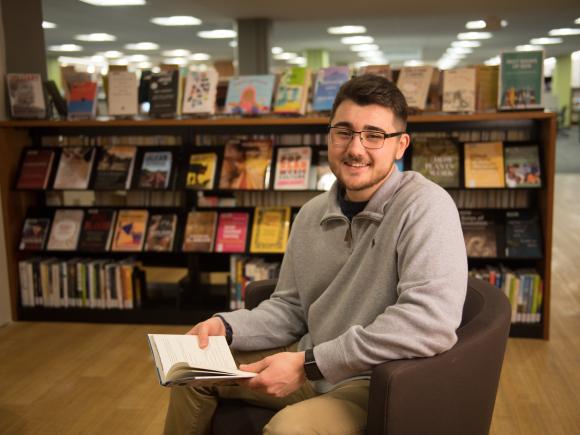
115,168
325,178
522,166
130,230
155,170
459,86
161,232
246,164
65,230
34,234
437,160
479,232
74,168
200,231
328,82
200,92
292,168
82,100
201,171
97,230
521,80
250,95
523,234
26,96
270,229
484,165
163,89
292,92
414,83
122,93
35,169
232,232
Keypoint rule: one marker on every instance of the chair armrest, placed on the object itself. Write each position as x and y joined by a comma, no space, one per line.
258,291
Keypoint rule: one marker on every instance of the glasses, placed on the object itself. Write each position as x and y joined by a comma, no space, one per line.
370,139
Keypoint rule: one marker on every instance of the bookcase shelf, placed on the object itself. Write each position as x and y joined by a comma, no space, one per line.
529,127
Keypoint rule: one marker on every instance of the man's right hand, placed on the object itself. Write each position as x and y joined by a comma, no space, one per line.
211,326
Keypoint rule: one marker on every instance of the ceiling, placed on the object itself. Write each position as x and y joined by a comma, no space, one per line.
417,28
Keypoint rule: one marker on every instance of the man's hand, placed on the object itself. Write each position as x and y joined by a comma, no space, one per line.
211,326
279,375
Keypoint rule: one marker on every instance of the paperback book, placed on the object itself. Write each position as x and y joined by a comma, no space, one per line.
484,165
35,169
201,171
65,230
26,96
82,100
122,93
521,80
437,160
414,83
487,84
292,92
74,168
522,166
130,230
155,170
163,89
250,95
459,87
34,233
161,232
115,168
232,232
200,231
328,82
200,92
479,232
270,230
523,234
246,164
292,168
97,230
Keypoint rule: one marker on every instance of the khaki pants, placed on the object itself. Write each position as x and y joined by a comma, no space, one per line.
341,411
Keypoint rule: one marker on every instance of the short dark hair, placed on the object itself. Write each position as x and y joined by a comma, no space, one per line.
373,89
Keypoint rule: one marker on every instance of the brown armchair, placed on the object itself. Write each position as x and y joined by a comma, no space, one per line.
450,393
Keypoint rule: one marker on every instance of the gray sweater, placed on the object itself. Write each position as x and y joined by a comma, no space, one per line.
388,285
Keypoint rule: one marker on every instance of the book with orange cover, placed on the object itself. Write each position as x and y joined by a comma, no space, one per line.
200,231
246,165
484,165
130,230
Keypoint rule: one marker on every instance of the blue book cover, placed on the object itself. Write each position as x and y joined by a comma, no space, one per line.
250,95
328,82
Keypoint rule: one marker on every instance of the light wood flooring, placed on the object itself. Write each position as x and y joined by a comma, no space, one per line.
99,379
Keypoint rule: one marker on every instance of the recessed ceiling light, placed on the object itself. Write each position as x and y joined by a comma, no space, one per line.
233,43
364,47
528,47
454,56
564,32
138,58
350,40
96,37
277,50
144,65
300,60
200,57
413,63
121,61
65,47
175,61
471,36
112,54
446,64
142,46
466,44
114,2
179,52
217,34
493,61
48,25
176,20
346,30
545,41
98,58
460,50
474,25
285,56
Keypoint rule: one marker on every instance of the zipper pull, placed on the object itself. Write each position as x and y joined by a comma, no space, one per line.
348,235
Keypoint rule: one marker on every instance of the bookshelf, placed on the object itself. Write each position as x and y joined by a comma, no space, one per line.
529,127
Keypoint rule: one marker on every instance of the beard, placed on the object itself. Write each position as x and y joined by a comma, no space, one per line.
376,178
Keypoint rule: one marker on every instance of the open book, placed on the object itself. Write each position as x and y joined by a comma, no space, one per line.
180,361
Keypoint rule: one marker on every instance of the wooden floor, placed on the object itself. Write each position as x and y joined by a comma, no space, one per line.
99,379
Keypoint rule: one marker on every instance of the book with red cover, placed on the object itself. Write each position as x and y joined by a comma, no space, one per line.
35,169
97,230
232,232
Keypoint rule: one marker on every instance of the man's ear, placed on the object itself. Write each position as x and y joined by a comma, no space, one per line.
404,142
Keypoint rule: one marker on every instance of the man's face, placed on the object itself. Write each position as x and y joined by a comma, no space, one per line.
360,170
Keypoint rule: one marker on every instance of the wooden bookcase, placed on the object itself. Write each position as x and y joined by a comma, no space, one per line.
539,127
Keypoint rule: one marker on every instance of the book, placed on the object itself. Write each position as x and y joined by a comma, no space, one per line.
201,171
270,230
180,361
65,230
459,87
200,231
328,82
35,169
26,96
437,160
414,83
232,232
34,234
122,93
487,83
200,92
292,168
479,232
250,95
521,80
523,237
163,90
325,178
97,230
246,164
155,170
130,230
74,168
484,165
161,232
522,166
115,167
82,100
292,91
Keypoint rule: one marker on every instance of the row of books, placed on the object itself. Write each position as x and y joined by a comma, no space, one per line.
523,287
137,230
80,282
506,234
244,270
500,198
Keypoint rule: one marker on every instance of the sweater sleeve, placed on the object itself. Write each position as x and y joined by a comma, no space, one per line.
432,269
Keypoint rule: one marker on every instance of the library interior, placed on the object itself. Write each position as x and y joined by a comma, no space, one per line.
154,160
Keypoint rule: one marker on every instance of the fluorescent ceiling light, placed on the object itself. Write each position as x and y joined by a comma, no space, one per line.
138,58
492,61
298,61
96,37
528,47
466,44
413,63
73,60
460,50
233,43
121,61
346,30
179,52
176,20
545,41
112,54
285,56
97,58
364,47
475,25
175,61
144,65
350,40
564,32
114,2
65,47
199,57
471,36
445,64
217,34
277,50
142,46
367,54
48,25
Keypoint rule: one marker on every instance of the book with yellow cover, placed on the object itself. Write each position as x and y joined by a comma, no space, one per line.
201,171
130,230
484,165
270,229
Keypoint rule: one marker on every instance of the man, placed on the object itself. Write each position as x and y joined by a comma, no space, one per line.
375,270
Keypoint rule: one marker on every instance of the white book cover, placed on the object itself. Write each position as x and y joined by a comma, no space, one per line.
65,231
26,96
459,90
200,92
414,84
122,95
292,168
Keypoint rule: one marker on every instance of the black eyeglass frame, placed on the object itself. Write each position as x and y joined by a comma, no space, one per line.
385,135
